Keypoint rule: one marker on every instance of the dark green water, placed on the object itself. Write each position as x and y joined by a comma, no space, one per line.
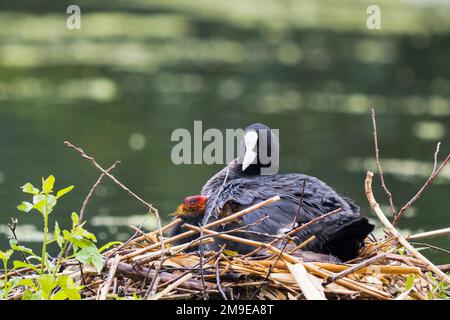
138,70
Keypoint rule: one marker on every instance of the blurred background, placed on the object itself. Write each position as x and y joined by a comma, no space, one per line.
139,69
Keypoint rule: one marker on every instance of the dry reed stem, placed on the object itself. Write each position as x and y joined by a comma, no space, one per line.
430,234
319,218
376,208
112,273
303,244
170,287
305,284
354,268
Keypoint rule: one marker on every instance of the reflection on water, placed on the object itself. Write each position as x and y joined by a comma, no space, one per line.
137,70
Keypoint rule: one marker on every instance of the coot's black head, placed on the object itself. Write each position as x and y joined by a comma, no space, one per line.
259,150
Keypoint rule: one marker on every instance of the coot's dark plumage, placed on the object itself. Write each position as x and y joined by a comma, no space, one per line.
340,234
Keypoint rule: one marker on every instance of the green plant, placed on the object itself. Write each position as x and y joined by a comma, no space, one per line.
45,282
5,256
44,202
440,291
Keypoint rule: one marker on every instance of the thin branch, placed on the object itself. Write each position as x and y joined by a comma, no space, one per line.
355,268
112,273
430,234
94,187
171,287
376,208
313,221
120,184
219,287
12,227
377,157
86,201
434,174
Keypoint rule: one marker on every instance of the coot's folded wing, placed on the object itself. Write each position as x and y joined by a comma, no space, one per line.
318,199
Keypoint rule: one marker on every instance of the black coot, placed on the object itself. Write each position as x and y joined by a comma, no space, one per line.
340,235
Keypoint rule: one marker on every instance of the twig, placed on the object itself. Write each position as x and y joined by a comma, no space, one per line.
305,284
315,220
377,157
120,184
12,227
303,244
127,190
86,201
171,287
112,273
219,287
430,234
354,268
376,208
430,246
164,229
91,192
434,174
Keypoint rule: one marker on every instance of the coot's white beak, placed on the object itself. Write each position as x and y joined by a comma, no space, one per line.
251,140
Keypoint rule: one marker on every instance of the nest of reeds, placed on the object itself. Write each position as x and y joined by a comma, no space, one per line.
150,267
146,269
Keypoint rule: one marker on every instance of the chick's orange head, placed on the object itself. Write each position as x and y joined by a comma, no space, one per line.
191,206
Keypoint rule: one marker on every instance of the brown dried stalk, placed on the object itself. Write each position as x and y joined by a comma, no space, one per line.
377,157
376,208
434,174
354,268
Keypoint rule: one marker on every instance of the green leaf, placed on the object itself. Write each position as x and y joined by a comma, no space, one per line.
68,287
79,231
108,245
44,203
75,219
409,282
135,296
46,285
80,241
47,184
29,188
27,283
91,255
25,206
13,282
67,235
57,234
5,255
20,264
62,192
30,295
14,246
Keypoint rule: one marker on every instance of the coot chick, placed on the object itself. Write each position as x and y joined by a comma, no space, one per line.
340,235
191,211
